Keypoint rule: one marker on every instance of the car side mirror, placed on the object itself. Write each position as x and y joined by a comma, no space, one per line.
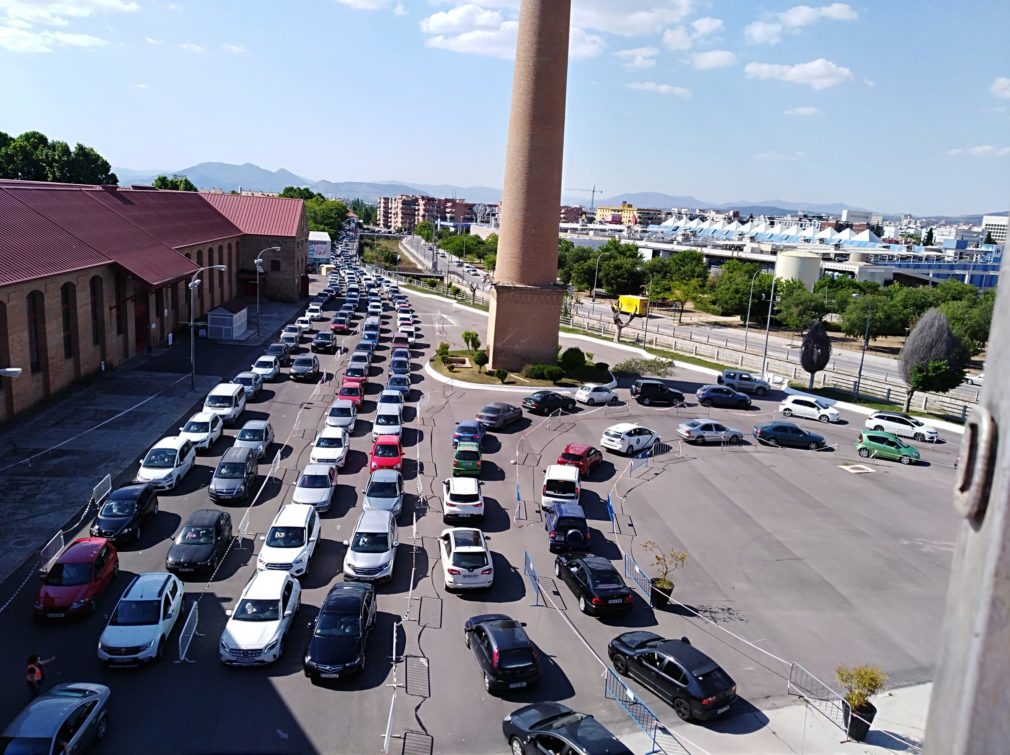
347,543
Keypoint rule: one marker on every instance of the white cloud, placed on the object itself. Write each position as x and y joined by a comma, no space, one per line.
982,150
638,57
20,19
582,44
818,74
775,155
705,61
25,40
803,110
869,83
652,86
763,32
141,86
706,26
627,18
1000,87
769,31
495,43
192,47
677,38
399,10
365,4
461,19
175,7
153,41
237,49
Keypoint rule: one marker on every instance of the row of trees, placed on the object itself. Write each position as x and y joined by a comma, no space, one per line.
472,249
31,156
323,214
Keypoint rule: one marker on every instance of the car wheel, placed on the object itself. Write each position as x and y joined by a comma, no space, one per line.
161,650
620,664
864,452
734,440
879,428
557,569
516,745
682,708
103,727
706,403
487,682
824,418
591,402
646,401
569,406
813,445
743,405
905,459
630,450
787,412
582,604
700,441
919,437
760,391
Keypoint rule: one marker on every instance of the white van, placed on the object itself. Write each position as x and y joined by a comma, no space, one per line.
561,485
291,540
226,400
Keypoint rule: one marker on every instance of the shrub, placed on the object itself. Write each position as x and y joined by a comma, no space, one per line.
501,375
480,359
430,282
553,372
443,349
573,358
861,683
602,366
532,371
658,367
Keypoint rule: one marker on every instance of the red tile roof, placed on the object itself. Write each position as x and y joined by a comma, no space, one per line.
259,216
176,218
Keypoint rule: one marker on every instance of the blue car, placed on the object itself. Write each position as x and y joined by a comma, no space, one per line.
399,383
371,340
468,431
400,354
365,344
399,367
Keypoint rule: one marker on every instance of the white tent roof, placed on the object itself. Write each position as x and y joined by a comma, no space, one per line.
828,233
867,235
846,235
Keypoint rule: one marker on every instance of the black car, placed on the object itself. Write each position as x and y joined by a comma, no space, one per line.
567,527
504,652
280,350
787,434
595,582
552,727
324,342
201,543
648,392
546,402
684,677
720,395
340,631
305,368
499,415
125,512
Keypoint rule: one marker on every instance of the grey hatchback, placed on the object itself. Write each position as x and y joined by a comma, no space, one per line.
69,718
498,415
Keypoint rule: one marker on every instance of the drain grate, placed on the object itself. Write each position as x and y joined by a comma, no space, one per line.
418,743
430,614
418,681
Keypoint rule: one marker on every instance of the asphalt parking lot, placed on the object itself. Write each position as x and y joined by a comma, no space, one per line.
788,550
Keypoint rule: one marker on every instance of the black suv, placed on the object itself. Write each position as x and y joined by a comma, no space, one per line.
687,679
567,528
553,727
504,652
324,342
649,392
280,350
339,640
124,512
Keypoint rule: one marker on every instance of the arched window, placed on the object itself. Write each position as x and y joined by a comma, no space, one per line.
68,317
97,286
36,321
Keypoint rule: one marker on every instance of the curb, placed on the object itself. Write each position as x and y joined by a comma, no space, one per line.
436,375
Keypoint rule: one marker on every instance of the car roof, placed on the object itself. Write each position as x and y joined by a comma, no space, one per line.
147,586
593,561
246,373
44,715
266,584
323,469
373,520
884,433
271,357
578,449
387,440
255,424
292,515
226,389
467,445
388,392
463,485
384,475
128,492
204,517
562,471
650,381
468,423
506,633
686,654
467,537
567,508
342,403
345,595
389,408
329,431
205,416
172,441
622,427
82,550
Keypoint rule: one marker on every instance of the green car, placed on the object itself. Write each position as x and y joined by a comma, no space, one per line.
466,460
881,445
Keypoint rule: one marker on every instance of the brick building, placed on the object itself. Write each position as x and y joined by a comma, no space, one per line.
405,211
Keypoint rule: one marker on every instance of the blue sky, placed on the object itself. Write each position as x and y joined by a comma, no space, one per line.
892,106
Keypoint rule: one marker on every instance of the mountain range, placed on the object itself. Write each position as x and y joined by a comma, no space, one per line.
249,177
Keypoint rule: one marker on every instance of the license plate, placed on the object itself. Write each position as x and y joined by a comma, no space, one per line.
186,568
56,614
329,676
516,685
723,709
614,601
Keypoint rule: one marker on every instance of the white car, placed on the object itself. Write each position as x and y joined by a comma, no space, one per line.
254,634
374,309
902,424
462,498
409,332
291,540
628,437
404,318
168,461
257,435
315,312
811,408
315,486
561,485
360,359
304,325
978,379
592,394
342,413
330,447
466,559
143,619
267,367
390,397
388,421
202,430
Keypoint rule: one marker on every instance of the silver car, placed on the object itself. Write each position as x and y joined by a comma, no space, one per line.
703,431
388,421
384,491
251,381
256,434
343,414
371,551
69,718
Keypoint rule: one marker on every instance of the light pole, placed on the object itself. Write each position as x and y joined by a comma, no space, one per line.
193,284
866,342
596,275
750,298
259,269
648,311
768,327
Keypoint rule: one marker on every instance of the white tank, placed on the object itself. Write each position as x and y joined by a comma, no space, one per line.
802,266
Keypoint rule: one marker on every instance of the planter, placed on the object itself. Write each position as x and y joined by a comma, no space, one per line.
660,596
858,727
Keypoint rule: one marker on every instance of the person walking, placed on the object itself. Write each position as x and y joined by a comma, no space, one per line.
36,674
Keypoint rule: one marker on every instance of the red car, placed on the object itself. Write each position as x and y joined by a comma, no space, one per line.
339,327
351,392
582,456
386,453
77,580
354,375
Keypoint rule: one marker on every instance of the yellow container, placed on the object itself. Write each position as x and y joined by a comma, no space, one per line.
638,305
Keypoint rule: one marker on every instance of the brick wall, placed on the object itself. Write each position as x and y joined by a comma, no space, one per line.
283,270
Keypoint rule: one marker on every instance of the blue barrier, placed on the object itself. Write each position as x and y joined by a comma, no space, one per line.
616,690
531,571
637,575
610,514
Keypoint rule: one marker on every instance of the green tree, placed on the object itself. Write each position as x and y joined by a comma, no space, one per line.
815,351
480,359
425,230
678,293
501,374
572,358
730,291
472,340
325,214
367,213
32,157
970,321
883,317
175,183
622,276
682,266
300,192
490,260
491,244
798,307
928,240
932,359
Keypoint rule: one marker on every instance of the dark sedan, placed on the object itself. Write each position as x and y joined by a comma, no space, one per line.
339,640
399,367
124,513
504,652
684,677
787,434
201,543
720,395
280,350
305,368
324,342
553,727
545,402
468,431
595,582
499,415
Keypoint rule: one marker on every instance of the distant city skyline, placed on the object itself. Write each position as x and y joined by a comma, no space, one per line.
873,107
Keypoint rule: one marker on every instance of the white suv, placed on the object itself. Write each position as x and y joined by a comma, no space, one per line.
466,559
168,461
628,437
143,619
809,407
254,634
561,485
901,424
291,540
462,499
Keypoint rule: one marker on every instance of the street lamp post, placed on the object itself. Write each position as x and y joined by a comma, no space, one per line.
259,269
596,275
750,298
768,327
866,341
648,311
193,284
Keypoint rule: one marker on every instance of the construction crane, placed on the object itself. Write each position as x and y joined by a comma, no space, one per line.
592,195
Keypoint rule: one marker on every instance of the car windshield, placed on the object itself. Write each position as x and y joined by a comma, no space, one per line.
132,613
303,362
333,624
515,658
160,458
244,380
275,349
387,450
613,434
469,559
370,542
492,410
286,537
821,405
116,508
314,481
567,456
382,489
387,419
565,488
68,575
330,441
347,391
399,381
219,402
465,497
230,470
265,364
196,427
712,680
467,428
195,535
341,411
251,433
467,455
389,399
257,610
693,424
355,372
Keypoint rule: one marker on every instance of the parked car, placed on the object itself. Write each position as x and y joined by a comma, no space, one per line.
462,499
256,435
648,392
468,431
142,621
315,486
255,631
324,343
167,463
291,540
744,382
592,394
810,408
74,584
880,445
125,512
344,413
389,397
386,453
562,484
499,415
701,431
599,587
466,559
268,367
338,644
252,381
684,677
466,459
504,652
201,543
353,393
69,718
330,446
371,550
978,379
399,383
203,430
234,477
629,438
281,351
567,528
384,491
305,368
388,421
551,727
787,434
545,402
722,396
902,424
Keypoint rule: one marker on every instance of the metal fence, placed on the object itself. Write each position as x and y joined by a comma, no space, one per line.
531,572
817,694
611,516
188,632
637,575
616,690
